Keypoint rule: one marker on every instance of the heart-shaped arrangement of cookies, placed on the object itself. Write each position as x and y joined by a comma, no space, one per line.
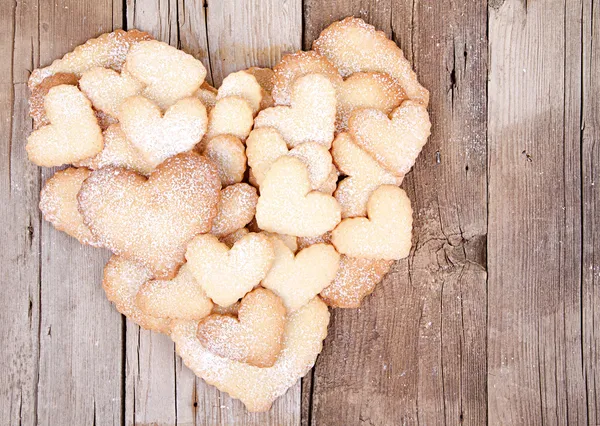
236,216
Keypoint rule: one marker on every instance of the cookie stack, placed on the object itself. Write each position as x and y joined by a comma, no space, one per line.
235,215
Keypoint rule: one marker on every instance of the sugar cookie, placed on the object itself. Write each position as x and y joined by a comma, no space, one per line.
229,154
159,136
287,205
395,142
237,207
365,175
227,274
182,297
107,89
295,65
244,85
168,73
58,203
298,279
230,116
255,337
355,279
311,116
151,220
258,387
73,133
108,51
354,46
385,234
122,280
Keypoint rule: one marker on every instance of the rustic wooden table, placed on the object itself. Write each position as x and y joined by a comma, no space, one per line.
493,317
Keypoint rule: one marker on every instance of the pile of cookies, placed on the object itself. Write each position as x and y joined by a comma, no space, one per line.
236,216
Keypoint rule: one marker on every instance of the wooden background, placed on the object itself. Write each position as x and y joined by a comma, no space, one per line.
493,317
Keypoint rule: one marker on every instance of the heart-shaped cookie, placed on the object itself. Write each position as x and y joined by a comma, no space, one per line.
257,387
364,176
311,116
229,155
122,281
395,142
118,152
287,205
385,234
168,73
354,46
254,337
182,297
236,209
107,89
243,85
107,51
366,90
297,279
232,115
58,203
265,145
227,274
295,65
73,133
152,219
157,136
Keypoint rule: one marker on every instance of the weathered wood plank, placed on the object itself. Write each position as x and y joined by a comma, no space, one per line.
80,369
534,343
251,33
415,351
590,165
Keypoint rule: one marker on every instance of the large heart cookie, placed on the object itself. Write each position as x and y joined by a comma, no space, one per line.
157,136
227,274
297,279
287,205
73,133
255,337
258,387
151,220
311,116
385,234
168,73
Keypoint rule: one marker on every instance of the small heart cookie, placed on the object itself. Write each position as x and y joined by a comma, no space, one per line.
258,387
298,279
182,297
265,145
118,152
157,136
229,155
73,133
243,85
58,203
295,65
356,278
365,175
255,337
107,51
287,205
353,46
151,220
311,116
385,234
230,116
37,111
395,142
122,281
236,209
367,90
225,274
107,89
168,73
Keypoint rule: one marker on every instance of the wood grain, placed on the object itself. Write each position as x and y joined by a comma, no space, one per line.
534,347
415,350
